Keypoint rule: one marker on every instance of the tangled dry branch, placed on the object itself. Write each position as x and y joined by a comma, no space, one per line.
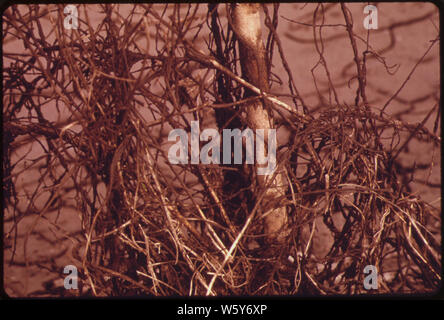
117,87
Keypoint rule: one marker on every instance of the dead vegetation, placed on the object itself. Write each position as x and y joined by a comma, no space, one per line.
153,228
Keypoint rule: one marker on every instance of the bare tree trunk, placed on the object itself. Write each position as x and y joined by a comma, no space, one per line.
253,57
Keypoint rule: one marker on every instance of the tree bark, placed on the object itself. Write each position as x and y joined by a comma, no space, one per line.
253,58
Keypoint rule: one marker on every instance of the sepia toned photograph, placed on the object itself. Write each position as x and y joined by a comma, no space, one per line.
221,150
